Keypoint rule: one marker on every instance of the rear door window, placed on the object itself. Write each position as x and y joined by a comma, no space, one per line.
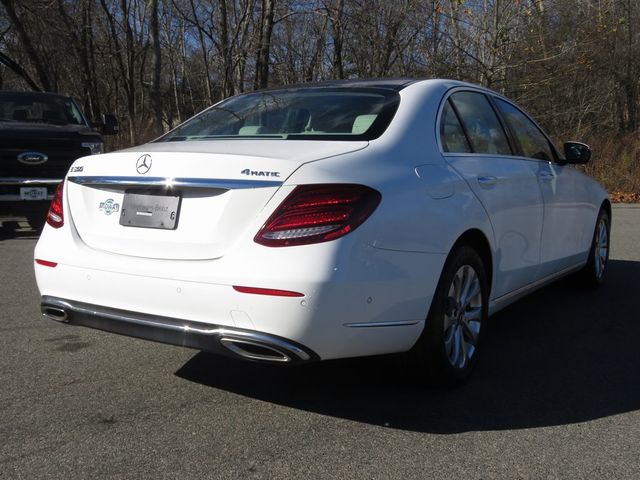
481,123
532,141
452,135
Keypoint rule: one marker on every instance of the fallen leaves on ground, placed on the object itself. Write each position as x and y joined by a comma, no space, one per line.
624,197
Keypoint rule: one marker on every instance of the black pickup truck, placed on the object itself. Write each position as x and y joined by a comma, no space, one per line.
41,134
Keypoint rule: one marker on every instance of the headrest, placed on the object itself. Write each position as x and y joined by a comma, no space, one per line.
20,115
362,123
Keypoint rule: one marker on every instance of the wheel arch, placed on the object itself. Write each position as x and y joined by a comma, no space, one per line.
477,240
606,205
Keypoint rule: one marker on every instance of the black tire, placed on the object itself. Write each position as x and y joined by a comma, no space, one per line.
594,272
432,358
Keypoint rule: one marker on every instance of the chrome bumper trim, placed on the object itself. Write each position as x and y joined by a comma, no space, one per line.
202,336
211,183
17,198
399,323
29,181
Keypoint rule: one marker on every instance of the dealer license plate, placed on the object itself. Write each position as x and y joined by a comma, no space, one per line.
33,193
150,210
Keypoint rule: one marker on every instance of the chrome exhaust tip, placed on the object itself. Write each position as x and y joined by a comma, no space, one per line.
236,342
55,313
253,350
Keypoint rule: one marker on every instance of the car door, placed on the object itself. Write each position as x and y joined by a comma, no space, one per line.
568,212
475,143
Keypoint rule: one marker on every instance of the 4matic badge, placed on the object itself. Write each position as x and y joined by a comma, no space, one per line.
109,207
259,173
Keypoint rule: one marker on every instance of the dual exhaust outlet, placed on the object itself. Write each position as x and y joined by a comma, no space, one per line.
243,344
55,313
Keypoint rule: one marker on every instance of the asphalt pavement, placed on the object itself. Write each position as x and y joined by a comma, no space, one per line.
556,395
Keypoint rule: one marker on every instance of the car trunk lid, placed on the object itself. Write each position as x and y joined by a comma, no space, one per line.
122,202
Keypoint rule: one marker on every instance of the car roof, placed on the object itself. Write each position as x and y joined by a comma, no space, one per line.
396,84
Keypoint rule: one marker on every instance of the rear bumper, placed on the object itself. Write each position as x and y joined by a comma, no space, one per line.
230,341
10,187
357,300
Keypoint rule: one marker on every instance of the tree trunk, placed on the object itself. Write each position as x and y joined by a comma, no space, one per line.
30,50
225,51
264,47
205,55
156,100
337,36
18,70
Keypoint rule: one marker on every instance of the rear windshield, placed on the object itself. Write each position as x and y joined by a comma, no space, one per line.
18,107
302,114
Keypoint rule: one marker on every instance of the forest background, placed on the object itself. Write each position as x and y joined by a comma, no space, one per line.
573,64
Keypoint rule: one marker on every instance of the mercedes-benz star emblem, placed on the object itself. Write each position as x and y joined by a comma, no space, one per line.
143,165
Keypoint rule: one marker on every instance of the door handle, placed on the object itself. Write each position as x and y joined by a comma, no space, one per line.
546,176
487,181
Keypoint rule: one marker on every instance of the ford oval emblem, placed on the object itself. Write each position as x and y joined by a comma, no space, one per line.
32,158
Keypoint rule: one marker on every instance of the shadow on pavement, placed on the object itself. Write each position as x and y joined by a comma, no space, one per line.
22,219
562,355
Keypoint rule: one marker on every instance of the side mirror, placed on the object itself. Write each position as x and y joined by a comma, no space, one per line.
576,152
109,124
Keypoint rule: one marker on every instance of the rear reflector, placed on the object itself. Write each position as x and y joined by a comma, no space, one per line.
46,263
55,217
267,291
318,213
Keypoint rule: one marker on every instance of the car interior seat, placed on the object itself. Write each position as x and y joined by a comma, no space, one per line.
251,130
362,123
296,120
20,115
52,116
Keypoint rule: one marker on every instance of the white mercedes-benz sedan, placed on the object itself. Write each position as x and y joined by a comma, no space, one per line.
324,221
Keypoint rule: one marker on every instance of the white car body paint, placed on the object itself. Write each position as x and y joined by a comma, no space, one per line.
366,293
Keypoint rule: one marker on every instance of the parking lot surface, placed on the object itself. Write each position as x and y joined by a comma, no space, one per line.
556,394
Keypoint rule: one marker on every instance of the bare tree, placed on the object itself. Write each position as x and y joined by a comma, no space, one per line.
264,44
574,64
157,66
37,61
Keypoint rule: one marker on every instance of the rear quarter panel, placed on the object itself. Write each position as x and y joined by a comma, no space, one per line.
426,206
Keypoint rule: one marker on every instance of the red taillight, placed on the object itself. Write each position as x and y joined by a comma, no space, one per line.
267,291
55,217
318,213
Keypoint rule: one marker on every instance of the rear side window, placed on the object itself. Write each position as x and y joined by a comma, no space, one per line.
452,135
481,123
532,141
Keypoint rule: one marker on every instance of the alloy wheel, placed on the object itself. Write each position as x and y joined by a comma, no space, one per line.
601,250
463,316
